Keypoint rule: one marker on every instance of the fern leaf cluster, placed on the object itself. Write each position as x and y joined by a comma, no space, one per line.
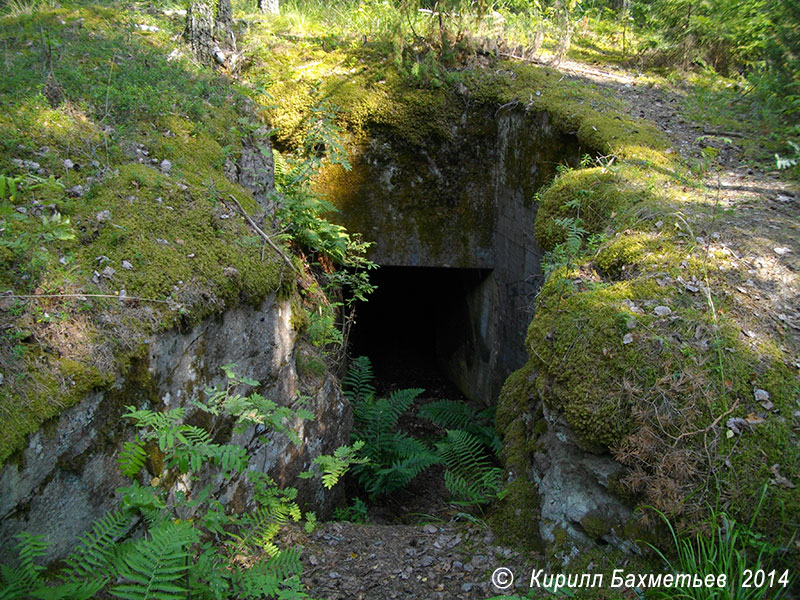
471,476
358,380
154,568
395,458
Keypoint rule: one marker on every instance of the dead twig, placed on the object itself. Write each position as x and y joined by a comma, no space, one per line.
258,230
707,429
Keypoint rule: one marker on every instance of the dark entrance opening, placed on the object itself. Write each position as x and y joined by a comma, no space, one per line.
415,325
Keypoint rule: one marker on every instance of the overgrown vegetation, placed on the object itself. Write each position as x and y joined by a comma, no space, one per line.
172,538
752,566
467,451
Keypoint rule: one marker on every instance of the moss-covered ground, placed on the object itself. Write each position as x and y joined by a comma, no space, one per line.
93,100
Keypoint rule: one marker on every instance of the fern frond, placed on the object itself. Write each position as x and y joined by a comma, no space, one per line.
398,475
94,555
452,414
209,577
448,414
132,457
17,583
358,381
471,476
75,590
401,400
155,567
272,577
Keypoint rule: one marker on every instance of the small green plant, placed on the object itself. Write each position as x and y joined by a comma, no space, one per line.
731,549
787,162
26,237
334,466
158,544
354,513
472,475
395,458
301,208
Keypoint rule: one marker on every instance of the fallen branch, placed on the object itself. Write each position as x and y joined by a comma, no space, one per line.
723,133
83,296
264,235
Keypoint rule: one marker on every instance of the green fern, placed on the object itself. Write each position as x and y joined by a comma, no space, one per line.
471,476
334,466
96,552
358,381
154,568
17,583
452,414
132,457
417,458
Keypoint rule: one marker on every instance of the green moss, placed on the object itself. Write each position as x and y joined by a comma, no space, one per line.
174,241
595,196
515,518
624,251
596,524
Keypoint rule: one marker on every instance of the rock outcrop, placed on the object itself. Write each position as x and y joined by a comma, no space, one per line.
65,477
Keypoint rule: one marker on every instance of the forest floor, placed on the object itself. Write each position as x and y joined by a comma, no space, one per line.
752,217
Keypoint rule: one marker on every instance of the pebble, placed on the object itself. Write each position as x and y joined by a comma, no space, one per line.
103,216
662,311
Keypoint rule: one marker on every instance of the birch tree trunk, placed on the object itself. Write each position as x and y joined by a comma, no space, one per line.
268,6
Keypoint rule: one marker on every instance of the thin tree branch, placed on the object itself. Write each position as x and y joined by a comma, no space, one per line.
264,235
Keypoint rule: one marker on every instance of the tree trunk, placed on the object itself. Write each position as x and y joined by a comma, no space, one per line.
208,32
200,29
268,6
223,25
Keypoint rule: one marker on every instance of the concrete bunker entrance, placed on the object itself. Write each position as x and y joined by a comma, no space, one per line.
451,223
419,328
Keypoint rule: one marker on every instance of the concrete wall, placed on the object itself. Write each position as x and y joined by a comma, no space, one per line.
468,202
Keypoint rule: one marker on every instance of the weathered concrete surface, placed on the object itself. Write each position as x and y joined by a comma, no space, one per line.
67,474
463,202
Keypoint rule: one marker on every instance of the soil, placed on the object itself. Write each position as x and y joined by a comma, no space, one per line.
417,546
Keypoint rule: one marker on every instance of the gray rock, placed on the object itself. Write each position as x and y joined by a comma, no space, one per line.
103,216
662,311
45,487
